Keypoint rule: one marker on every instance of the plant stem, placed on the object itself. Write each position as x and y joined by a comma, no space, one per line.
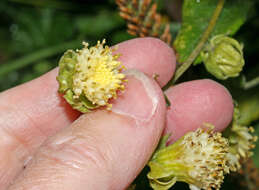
252,83
35,56
201,43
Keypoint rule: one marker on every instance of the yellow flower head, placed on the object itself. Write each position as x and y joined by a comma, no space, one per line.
97,74
241,141
198,158
92,76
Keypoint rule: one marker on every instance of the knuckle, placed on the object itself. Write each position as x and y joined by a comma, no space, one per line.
79,153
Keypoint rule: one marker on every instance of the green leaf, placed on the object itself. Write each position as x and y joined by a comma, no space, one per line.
196,17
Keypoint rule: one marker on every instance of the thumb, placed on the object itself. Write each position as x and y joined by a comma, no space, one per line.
102,149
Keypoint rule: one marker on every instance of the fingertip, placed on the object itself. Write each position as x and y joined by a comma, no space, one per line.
141,97
149,55
195,103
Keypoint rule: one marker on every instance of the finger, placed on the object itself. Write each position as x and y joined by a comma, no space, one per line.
102,150
31,112
28,114
151,56
195,103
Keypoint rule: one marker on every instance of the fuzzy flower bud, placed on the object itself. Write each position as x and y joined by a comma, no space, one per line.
223,57
198,158
241,141
89,77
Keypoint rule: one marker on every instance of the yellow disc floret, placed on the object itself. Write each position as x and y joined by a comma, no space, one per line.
97,74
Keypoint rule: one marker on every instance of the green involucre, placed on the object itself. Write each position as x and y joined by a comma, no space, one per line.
65,79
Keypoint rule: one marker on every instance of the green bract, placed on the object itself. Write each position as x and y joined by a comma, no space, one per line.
223,57
65,78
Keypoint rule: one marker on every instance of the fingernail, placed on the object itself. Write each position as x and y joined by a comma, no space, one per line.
140,98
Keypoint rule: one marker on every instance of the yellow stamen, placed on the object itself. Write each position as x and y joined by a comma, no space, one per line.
97,74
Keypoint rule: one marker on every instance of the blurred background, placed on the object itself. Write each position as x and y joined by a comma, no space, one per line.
35,33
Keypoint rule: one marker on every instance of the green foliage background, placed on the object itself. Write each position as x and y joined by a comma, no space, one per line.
35,33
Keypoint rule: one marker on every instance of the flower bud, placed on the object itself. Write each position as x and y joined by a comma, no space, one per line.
198,158
89,77
223,57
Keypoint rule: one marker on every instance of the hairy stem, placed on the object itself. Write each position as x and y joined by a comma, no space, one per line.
35,56
201,43
252,83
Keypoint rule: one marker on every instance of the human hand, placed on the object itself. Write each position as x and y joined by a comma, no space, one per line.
102,149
